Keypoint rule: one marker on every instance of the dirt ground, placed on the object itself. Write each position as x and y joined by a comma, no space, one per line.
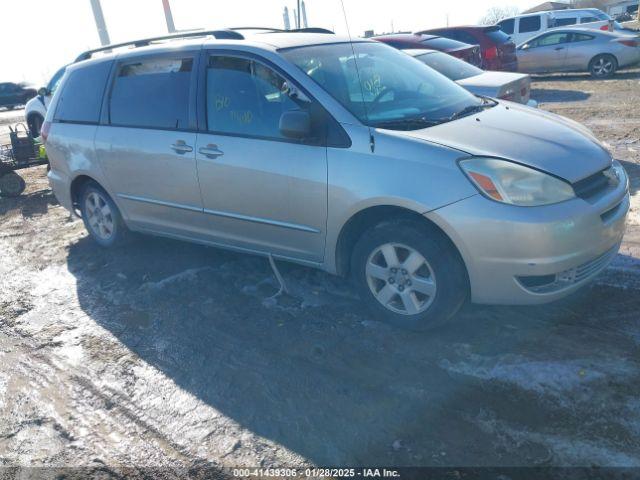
168,354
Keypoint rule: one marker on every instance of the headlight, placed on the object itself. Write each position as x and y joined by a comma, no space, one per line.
617,175
509,182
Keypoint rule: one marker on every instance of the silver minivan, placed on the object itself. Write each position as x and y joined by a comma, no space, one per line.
352,157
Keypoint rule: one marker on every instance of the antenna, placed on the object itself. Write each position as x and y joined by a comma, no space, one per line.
355,62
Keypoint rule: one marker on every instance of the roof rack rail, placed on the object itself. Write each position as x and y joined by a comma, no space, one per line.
219,34
295,30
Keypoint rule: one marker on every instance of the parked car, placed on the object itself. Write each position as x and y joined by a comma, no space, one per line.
578,50
497,49
407,41
515,87
13,95
36,108
351,157
524,27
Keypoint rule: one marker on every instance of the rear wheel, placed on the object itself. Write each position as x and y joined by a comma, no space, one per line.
11,185
101,216
409,274
603,66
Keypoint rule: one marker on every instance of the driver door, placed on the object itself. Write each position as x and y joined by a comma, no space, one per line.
260,190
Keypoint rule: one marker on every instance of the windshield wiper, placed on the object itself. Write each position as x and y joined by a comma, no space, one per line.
486,103
407,123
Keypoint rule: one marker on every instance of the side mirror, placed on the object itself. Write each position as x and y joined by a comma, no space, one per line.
43,92
295,124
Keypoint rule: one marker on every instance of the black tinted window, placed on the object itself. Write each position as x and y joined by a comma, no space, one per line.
507,26
563,22
497,36
588,19
247,98
152,93
529,24
81,97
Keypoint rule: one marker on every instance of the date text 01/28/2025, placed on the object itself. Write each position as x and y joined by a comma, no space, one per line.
315,472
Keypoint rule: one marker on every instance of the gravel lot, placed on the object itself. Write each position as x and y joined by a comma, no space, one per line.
170,354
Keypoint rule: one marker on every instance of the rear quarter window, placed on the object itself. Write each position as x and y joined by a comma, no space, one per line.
498,36
81,96
529,24
441,43
563,22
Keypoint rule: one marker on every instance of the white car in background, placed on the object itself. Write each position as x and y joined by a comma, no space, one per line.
515,87
524,27
36,109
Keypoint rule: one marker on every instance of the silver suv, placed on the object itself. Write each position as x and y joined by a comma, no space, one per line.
350,157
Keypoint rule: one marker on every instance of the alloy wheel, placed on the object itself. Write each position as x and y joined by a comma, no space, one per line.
603,66
401,279
99,216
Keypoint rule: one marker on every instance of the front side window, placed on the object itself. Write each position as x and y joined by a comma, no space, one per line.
382,86
245,97
152,93
550,40
529,24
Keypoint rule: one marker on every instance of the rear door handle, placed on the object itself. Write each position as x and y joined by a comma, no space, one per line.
559,48
211,151
181,147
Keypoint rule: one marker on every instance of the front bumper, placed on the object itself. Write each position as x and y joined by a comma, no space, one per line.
561,247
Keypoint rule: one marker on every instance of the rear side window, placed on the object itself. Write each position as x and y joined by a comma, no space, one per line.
529,24
507,26
152,93
588,19
563,22
81,96
581,37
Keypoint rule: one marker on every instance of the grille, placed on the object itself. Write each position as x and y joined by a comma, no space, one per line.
592,185
568,277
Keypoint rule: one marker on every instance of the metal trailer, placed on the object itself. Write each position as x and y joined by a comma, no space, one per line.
22,152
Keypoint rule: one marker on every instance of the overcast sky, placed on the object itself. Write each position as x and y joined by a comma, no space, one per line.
39,36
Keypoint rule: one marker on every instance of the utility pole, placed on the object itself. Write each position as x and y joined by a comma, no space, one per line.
168,16
100,25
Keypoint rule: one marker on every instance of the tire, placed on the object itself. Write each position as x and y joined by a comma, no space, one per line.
101,217
409,297
11,185
603,66
35,124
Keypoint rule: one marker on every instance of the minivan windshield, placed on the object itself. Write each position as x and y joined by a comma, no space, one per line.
388,89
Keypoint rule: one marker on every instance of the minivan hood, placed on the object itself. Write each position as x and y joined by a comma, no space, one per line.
529,136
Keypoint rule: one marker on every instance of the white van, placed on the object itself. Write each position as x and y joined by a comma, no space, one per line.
524,27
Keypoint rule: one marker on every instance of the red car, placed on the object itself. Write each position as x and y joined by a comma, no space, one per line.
407,41
498,50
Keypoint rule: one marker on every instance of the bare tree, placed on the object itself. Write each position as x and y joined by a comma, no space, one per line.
495,14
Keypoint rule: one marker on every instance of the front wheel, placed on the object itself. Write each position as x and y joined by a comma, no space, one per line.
409,274
101,217
603,66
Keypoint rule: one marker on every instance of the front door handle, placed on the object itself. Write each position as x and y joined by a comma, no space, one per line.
211,151
559,48
181,147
